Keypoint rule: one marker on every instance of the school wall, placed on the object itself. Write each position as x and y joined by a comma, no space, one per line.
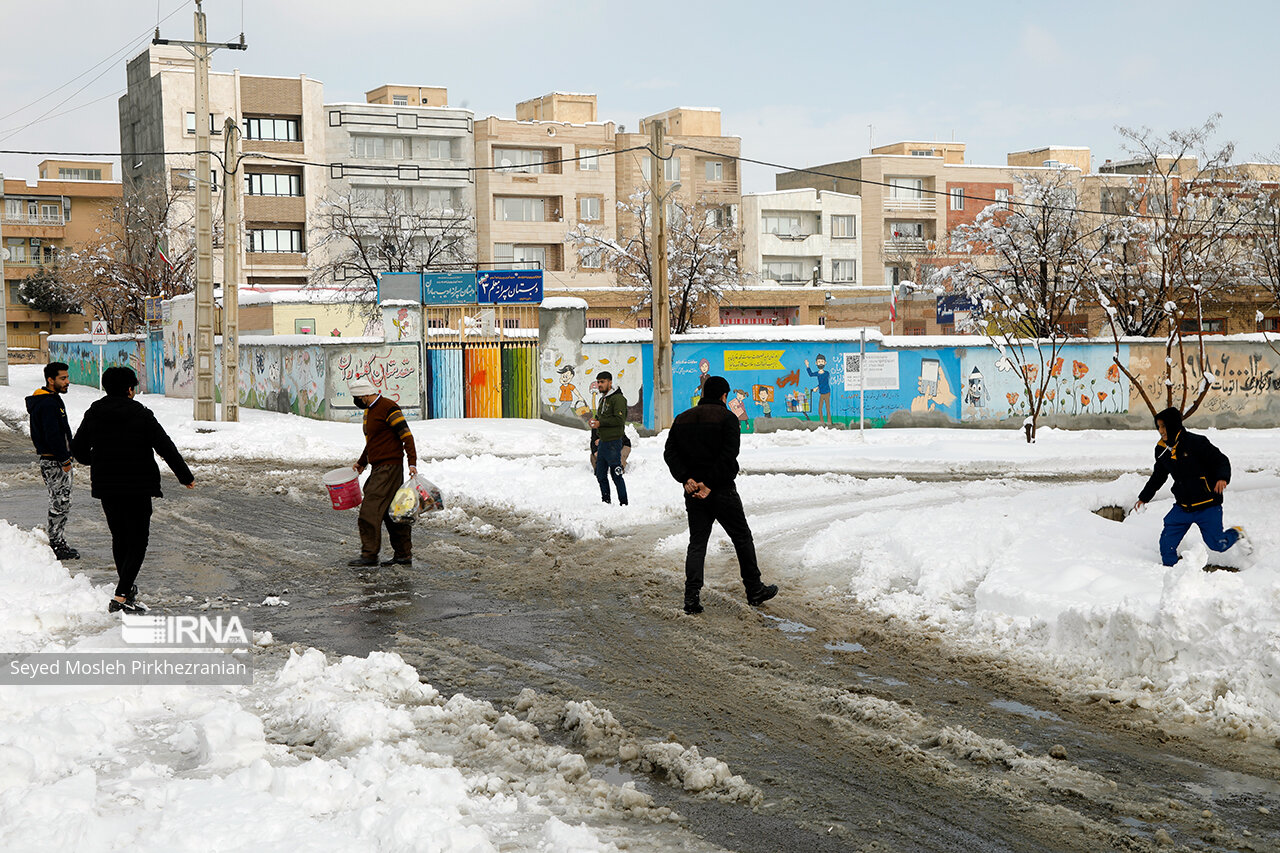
81,357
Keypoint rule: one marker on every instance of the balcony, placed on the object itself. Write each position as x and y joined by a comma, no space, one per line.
927,204
11,218
906,246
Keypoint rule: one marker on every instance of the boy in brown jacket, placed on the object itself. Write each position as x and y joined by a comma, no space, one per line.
386,441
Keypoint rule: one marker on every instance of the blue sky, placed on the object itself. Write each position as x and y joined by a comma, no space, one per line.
799,82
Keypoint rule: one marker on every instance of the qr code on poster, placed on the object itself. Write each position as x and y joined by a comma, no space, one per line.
853,363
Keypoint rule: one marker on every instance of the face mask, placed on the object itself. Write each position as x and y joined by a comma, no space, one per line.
361,404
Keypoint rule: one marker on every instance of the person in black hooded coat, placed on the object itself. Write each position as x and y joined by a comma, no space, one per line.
118,440
1200,475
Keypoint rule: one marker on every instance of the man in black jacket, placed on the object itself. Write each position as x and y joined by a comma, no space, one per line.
118,439
51,435
702,454
1200,474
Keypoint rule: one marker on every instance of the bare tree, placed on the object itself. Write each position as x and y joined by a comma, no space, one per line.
145,249
703,246
1261,239
1028,267
359,233
1173,248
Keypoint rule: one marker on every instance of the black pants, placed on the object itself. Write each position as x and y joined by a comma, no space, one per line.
129,519
609,465
725,506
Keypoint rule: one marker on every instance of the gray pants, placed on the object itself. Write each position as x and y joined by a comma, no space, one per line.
59,483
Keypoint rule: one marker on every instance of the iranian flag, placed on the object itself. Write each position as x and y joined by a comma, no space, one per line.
893,302
164,255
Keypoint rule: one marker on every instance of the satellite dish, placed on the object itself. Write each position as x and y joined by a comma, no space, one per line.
506,163
4,254
551,131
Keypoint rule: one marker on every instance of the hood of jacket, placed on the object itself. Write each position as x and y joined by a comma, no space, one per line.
1172,420
41,397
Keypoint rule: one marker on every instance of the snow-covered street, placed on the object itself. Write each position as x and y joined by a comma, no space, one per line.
969,547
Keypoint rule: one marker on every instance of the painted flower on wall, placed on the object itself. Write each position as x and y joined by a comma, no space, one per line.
1113,373
1084,399
1012,398
1057,366
1031,372
1102,395
1078,368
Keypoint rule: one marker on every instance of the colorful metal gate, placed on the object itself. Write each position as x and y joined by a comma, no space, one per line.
483,361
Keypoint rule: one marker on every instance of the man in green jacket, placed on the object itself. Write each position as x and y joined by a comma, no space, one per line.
611,421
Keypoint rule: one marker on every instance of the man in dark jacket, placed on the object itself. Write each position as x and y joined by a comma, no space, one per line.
118,439
387,441
702,454
610,423
1200,474
51,435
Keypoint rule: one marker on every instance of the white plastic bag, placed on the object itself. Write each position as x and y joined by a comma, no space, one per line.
413,498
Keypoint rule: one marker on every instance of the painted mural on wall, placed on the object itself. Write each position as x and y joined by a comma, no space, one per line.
1084,380
1246,377
563,388
179,347
807,380
395,368
81,358
578,381
302,377
402,323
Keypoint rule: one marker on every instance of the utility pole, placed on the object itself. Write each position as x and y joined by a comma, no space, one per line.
201,49
231,187
662,396
4,299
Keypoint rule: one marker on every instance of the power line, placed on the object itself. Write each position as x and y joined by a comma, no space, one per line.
67,112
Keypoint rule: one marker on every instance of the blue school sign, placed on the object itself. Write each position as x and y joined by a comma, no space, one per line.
449,288
510,287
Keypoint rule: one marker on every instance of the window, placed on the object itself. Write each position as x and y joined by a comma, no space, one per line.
191,125
913,327
598,322
957,198
591,259
844,270
185,179
715,170
1208,326
50,213
440,199
907,230
274,129
378,147
1269,324
717,217
17,247
304,326
906,188
1002,198
528,256
589,209
527,160
79,174
786,271
514,209
592,164
266,184
275,240
439,149
399,100
670,168
922,152
844,226
783,224
1075,325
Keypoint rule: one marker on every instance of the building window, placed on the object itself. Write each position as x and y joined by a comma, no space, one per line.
715,170
787,272
922,152
440,199
718,217
515,209
1002,198
591,163
782,224
907,230
1075,326
17,247
79,174
271,129
844,226
439,149
599,322
378,147
185,179
530,257
845,271
1208,326
191,124
1269,324
592,259
670,169
268,240
913,327
527,160
399,100
267,184
957,198
906,188
589,209
304,326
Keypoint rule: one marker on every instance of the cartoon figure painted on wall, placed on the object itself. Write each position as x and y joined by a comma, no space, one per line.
762,395
568,391
704,370
181,350
824,386
933,387
975,391
736,405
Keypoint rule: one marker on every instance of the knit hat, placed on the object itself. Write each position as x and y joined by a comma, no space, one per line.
714,389
361,388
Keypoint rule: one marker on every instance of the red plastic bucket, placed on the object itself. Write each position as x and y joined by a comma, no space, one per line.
344,488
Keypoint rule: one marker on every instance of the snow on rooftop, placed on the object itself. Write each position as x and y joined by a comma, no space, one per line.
560,302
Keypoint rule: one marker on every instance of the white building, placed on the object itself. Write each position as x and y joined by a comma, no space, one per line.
794,238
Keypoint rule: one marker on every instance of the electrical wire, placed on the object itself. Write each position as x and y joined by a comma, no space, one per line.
72,110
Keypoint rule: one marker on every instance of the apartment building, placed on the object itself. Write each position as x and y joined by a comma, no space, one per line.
531,191
63,210
283,124
800,248
405,152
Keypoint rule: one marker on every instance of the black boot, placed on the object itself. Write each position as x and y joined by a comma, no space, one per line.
65,552
692,603
363,561
762,594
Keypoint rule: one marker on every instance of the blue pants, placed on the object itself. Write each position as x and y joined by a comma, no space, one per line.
1179,521
609,464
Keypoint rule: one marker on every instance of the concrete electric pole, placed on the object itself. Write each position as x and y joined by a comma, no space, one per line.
231,187
4,299
201,49
662,396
